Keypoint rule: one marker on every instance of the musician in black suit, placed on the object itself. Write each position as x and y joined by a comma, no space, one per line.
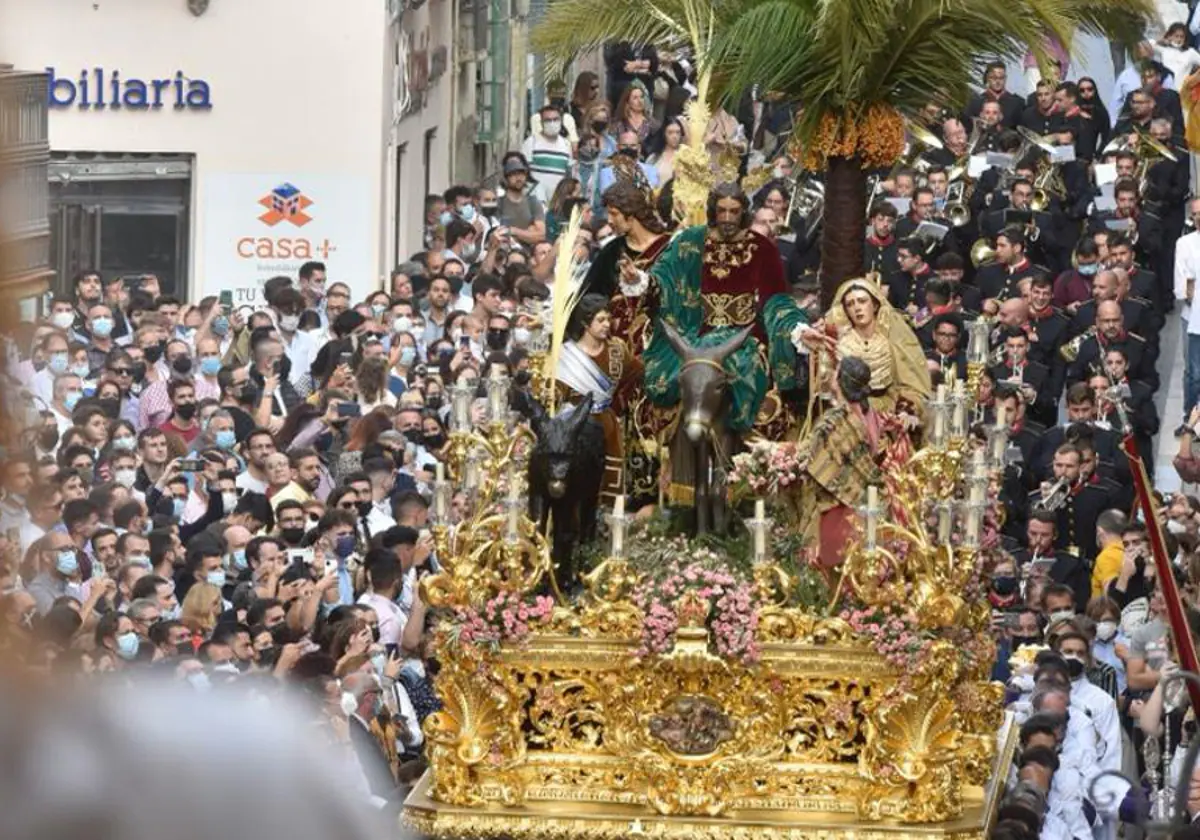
1048,328
995,80
964,297
999,280
1031,378
906,287
1081,423
1111,332
1057,564
879,249
1076,518
944,349
1106,286
1042,117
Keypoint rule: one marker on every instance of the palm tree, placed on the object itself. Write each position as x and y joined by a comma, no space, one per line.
856,67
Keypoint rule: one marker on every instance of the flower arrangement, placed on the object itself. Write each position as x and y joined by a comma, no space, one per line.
766,469
506,618
677,574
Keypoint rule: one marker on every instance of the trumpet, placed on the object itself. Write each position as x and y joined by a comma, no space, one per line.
1056,496
1070,350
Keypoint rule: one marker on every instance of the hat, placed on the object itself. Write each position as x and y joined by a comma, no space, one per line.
515,164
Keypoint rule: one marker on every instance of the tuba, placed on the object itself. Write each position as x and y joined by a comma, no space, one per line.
956,210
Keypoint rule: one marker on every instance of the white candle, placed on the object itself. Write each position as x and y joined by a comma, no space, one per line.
760,529
439,471
958,424
1000,441
943,524
939,416
618,526
514,509
974,509
872,502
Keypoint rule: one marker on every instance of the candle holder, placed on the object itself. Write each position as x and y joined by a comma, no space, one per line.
939,410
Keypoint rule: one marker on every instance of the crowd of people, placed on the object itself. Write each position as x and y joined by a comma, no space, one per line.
238,498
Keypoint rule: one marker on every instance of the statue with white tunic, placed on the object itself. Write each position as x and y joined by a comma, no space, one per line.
593,361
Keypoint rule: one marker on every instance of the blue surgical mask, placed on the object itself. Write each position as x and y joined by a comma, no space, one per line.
226,439
71,399
220,326
127,645
344,546
408,355
177,506
446,218
210,365
102,327
138,560
1088,270
377,309
125,443
58,363
237,559
67,563
467,211
378,662
216,577
81,370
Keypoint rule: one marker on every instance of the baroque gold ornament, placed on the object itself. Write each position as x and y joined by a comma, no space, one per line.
679,696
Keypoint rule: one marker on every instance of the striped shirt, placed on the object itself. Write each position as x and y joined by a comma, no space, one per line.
550,160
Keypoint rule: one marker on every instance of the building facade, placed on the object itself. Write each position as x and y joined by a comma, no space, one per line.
25,268
213,143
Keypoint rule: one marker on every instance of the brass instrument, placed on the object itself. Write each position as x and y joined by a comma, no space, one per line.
1070,350
922,140
978,129
1056,496
874,189
956,211
1149,152
982,252
808,201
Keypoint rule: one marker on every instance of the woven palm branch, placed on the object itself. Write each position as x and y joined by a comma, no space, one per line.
564,294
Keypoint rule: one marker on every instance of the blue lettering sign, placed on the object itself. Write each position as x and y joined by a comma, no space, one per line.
101,89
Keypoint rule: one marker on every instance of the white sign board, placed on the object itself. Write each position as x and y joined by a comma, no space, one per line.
258,226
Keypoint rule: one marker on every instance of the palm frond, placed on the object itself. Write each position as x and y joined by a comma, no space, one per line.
574,26
563,296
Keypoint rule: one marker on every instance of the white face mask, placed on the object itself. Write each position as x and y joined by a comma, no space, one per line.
1176,527
551,127
521,336
1105,630
125,477
229,502
289,323
62,320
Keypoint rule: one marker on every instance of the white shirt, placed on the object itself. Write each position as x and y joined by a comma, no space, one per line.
379,519
302,351
1179,62
391,617
1097,706
245,481
1187,265
41,385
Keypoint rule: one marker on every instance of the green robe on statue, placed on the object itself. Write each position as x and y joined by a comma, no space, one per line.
709,290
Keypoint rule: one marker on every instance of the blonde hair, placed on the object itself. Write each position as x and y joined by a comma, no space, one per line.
201,607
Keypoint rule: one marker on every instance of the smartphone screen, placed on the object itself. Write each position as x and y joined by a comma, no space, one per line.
191,465
345,357
349,409
226,298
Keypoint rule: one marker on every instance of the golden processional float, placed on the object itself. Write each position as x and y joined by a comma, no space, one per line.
697,692
709,688
716,688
